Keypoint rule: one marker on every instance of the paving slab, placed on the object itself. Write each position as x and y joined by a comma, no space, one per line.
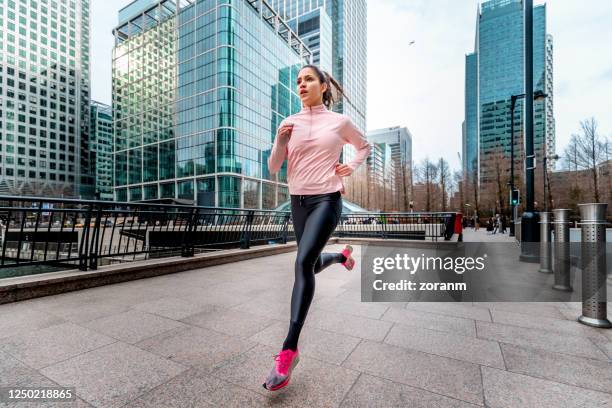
540,339
324,345
196,389
16,318
229,321
355,326
374,392
210,296
196,347
433,321
509,390
267,308
15,373
562,326
441,375
465,348
605,346
113,375
44,347
352,295
79,307
132,326
455,309
313,383
365,309
533,309
170,307
581,372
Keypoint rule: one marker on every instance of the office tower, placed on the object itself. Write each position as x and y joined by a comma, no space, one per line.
44,98
199,89
399,140
494,73
382,187
102,149
470,141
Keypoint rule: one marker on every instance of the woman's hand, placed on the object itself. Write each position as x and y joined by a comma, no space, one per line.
343,170
284,133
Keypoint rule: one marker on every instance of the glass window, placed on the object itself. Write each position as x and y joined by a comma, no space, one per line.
185,190
206,192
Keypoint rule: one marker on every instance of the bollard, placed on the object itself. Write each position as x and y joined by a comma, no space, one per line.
561,264
593,257
545,244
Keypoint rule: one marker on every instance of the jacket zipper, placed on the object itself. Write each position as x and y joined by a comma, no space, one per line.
310,128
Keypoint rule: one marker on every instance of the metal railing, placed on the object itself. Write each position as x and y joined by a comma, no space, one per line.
86,234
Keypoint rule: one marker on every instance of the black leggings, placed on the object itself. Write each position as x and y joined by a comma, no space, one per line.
314,219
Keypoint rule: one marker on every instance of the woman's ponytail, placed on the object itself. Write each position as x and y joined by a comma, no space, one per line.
334,90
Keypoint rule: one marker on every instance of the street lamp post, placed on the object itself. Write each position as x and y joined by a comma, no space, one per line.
538,95
545,171
513,100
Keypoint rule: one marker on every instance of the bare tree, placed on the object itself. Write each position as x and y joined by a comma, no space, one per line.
587,151
474,184
427,173
458,179
444,174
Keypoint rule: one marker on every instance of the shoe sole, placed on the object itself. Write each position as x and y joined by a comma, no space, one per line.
279,386
286,381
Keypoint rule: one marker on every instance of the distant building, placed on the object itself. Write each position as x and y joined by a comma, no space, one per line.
399,140
494,73
102,149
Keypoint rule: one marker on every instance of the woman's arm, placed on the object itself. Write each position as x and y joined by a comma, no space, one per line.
353,136
279,149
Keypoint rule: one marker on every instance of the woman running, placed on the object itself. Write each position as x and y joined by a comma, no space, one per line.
312,142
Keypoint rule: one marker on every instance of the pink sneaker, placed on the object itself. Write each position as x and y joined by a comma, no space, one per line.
279,377
350,261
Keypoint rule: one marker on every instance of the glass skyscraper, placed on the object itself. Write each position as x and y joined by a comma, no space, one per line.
315,29
44,98
495,72
199,88
102,149
470,142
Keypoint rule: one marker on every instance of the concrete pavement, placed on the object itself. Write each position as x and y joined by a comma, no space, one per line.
207,338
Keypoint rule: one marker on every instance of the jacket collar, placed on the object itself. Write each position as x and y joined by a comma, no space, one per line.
317,108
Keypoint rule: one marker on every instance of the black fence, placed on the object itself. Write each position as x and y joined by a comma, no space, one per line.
86,234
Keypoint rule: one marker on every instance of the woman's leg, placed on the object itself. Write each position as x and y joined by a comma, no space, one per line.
318,225
327,259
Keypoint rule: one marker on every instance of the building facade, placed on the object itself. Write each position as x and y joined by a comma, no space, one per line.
315,29
44,98
199,89
102,149
470,141
494,73
399,141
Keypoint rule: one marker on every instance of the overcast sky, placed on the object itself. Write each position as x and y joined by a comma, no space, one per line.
421,86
